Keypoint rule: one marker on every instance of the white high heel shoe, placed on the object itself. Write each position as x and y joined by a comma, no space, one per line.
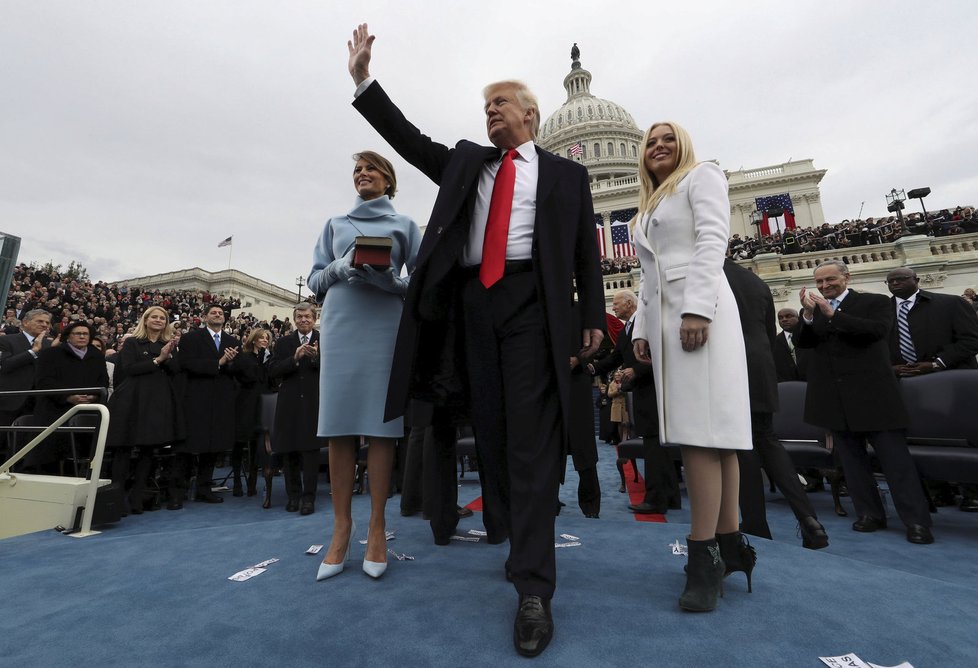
375,568
329,570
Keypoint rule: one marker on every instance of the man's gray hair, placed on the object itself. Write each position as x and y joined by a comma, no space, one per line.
628,296
30,315
843,267
304,306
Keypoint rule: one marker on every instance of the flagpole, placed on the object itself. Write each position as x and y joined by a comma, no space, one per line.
230,248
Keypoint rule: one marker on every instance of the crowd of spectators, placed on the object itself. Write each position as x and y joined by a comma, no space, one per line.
618,265
113,310
854,233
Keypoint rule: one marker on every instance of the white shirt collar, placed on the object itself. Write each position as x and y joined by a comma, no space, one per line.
527,151
30,339
912,299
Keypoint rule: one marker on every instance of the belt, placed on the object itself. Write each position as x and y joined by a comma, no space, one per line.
510,267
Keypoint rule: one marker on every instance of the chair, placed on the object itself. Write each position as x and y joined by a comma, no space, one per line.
943,431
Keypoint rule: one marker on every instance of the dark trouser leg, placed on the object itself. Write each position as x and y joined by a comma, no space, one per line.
144,464
205,473
589,491
310,474
753,513
411,489
506,339
661,484
851,449
901,476
121,462
779,467
440,479
291,461
237,457
179,475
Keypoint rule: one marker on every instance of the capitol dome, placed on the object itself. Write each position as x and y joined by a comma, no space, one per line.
607,134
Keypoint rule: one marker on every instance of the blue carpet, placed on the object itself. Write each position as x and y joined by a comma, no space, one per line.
153,590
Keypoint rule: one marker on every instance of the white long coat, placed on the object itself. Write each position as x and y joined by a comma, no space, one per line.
702,395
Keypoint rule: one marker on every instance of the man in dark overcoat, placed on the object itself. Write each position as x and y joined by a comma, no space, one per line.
661,482
295,363
207,360
942,333
853,392
508,280
790,362
756,307
18,361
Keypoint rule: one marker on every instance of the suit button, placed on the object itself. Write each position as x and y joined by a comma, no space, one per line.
439,230
655,222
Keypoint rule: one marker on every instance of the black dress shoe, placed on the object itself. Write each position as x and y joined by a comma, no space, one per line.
868,524
919,534
174,505
813,534
308,508
593,516
969,505
292,506
534,627
621,489
209,498
464,512
646,509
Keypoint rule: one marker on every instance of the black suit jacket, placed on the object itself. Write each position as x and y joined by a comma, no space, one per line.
297,405
851,384
756,307
209,392
941,326
564,251
645,412
789,368
17,368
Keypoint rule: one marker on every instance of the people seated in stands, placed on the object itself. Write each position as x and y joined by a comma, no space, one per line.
146,409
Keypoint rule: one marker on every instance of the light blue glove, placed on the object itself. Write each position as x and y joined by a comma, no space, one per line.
341,269
385,280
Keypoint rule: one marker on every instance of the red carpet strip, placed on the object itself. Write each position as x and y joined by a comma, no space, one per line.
635,484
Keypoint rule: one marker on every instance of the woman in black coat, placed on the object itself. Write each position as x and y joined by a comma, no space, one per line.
145,408
252,366
73,363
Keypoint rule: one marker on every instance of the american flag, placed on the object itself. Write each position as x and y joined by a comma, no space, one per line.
621,241
780,201
576,149
226,242
599,227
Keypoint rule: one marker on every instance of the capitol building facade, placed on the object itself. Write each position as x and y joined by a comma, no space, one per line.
604,137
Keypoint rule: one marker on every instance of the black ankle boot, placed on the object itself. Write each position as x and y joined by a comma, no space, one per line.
737,555
704,576
237,490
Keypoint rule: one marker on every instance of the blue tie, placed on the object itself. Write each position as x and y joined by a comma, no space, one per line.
217,341
834,303
907,350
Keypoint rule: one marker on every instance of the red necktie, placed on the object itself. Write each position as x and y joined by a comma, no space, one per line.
497,226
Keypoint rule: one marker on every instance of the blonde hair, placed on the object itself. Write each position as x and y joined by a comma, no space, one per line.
141,333
650,192
524,96
249,344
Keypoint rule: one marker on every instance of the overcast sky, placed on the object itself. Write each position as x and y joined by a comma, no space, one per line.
135,136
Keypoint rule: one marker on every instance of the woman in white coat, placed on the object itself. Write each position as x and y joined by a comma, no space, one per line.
688,327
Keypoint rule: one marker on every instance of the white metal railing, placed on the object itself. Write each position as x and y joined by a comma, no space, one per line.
6,477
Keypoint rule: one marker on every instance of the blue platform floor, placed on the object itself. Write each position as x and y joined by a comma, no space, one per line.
153,590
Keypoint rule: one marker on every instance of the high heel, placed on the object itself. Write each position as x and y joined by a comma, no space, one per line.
737,554
704,576
374,568
329,570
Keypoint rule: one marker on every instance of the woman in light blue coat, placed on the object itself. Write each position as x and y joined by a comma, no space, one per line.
361,309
